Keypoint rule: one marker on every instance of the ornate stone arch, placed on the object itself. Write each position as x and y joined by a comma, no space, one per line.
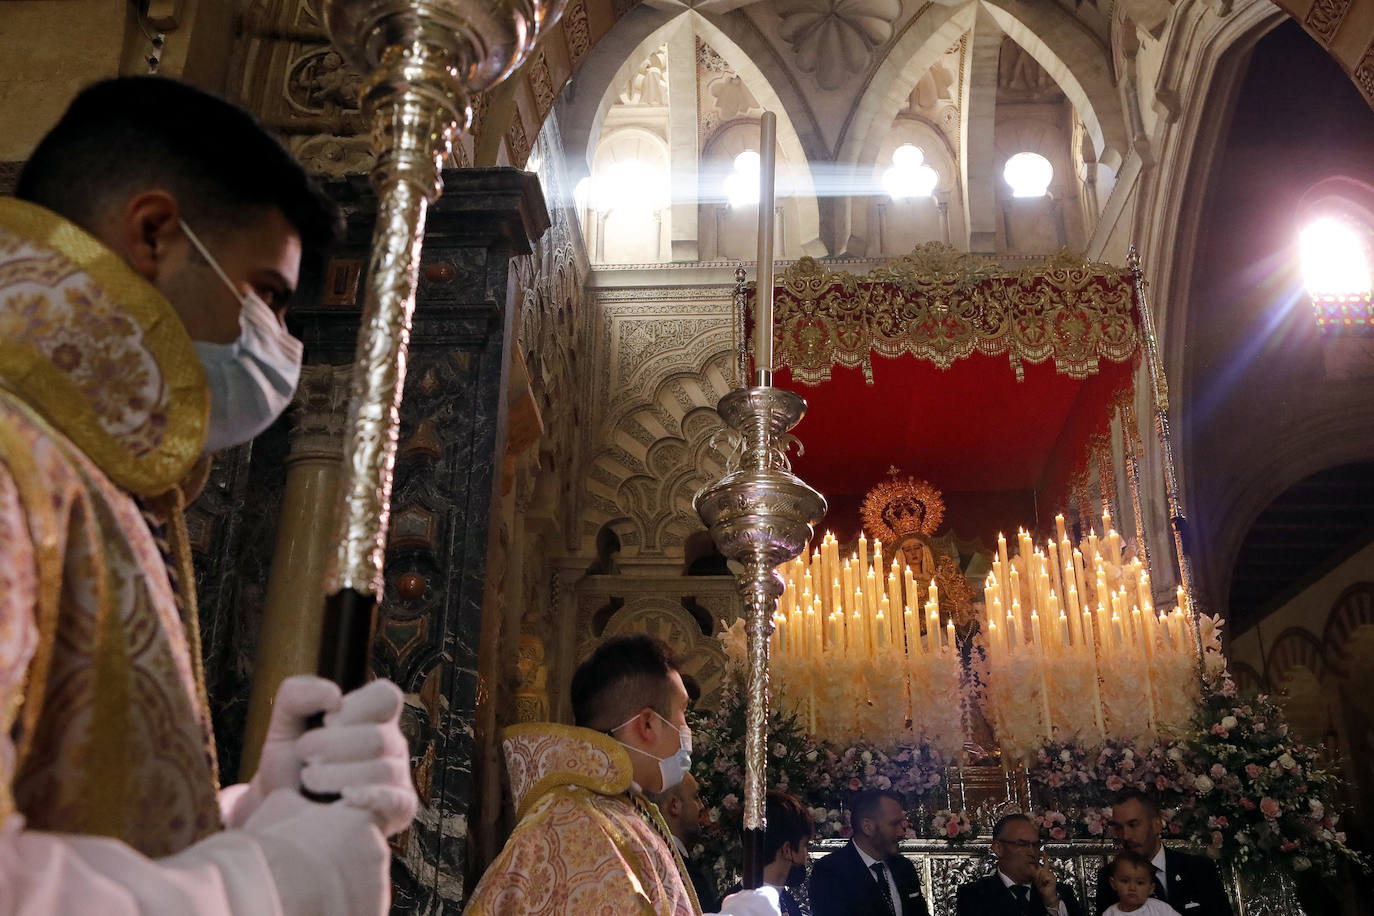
1353,611
701,655
1295,648
1078,63
658,446
1246,677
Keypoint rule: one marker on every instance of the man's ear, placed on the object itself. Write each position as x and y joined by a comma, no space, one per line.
672,805
147,231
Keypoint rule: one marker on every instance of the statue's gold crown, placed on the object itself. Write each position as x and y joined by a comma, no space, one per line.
898,508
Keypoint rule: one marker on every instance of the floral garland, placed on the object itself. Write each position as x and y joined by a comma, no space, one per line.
1234,780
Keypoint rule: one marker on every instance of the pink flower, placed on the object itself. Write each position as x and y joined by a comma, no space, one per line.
1058,833
730,801
1253,770
1161,783
1219,731
854,784
952,828
1115,783
1218,771
1269,808
1247,804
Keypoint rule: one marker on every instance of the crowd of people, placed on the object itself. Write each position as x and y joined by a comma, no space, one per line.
609,811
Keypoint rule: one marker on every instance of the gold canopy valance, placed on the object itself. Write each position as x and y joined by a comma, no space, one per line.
941,305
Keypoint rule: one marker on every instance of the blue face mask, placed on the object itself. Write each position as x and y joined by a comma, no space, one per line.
673,767
252,379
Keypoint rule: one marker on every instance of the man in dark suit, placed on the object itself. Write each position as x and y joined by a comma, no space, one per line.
682,811
869,877
1024,884
1188,883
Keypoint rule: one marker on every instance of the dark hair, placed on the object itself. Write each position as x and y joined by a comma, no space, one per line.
122,136
1008,819
789,823
1149,801
1130,857
867,802
624,675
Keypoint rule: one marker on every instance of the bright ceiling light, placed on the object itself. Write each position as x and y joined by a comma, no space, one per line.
1334,258
742,184
909,176
1029,174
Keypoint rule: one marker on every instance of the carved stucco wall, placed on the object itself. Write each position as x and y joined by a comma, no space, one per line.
664,358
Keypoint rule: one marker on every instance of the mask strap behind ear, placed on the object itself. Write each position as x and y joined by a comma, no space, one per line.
209,258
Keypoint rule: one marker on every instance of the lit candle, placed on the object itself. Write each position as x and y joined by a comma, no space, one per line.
1035,631
992,639
913,634
1064,629
1015,637
1059,527
1003,565
949,634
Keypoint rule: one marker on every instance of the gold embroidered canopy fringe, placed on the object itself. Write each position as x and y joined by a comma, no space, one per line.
941,305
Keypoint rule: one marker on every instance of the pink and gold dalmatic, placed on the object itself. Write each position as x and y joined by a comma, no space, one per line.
581,847
103,721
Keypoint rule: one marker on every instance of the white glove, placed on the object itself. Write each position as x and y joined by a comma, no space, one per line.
279,766
358,753
326,860
761,901
361,754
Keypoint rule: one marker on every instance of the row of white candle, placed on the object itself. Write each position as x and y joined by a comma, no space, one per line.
854,615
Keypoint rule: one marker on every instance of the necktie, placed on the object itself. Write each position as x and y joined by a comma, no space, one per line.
1160,891
1022,893
880,873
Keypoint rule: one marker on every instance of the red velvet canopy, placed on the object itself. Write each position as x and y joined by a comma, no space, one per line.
943,338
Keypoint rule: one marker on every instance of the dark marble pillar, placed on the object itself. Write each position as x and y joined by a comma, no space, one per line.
447,481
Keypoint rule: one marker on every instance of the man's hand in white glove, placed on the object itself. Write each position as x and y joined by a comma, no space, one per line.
761,901
361,754
358,753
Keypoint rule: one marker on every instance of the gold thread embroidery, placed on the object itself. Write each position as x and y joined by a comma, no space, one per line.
52,391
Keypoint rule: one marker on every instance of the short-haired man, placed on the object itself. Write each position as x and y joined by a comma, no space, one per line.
1024,883
588,840
683,812
869,877
1188,883
145,266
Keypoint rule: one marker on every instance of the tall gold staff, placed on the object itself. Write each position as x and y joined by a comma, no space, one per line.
423,60
760,514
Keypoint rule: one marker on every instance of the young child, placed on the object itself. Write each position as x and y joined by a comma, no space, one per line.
1133,879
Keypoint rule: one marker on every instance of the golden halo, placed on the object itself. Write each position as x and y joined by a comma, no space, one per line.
896,509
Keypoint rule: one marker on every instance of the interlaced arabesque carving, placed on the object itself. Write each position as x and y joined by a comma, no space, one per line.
941,305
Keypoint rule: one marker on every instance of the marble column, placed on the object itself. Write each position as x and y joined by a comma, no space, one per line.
289,639
446,490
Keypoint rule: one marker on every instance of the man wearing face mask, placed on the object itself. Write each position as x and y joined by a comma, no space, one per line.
588,840
145,265
785,838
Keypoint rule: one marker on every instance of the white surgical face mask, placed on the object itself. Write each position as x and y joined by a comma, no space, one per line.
676,765
252,379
